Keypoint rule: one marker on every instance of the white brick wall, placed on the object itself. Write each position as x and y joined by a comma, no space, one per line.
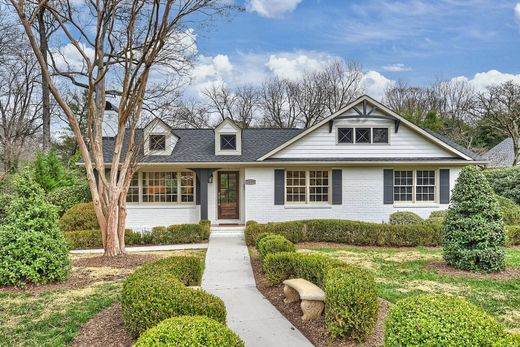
362,198
142,217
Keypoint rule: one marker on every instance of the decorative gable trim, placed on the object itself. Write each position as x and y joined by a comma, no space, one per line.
159,127
363,100
228,128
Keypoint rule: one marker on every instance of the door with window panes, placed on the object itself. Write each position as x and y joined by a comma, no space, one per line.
228,195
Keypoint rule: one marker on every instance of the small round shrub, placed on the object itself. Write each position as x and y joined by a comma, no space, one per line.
66,197
158,291
510,210
189,331
439,320
513,235
436,217
205,229
351,304
404,217
79,217
274,244
32,257
473,231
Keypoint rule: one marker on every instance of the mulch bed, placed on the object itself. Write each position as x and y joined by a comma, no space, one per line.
104,329
444,269
315,329
80,277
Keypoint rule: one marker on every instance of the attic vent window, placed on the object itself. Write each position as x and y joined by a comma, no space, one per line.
157,142
228,142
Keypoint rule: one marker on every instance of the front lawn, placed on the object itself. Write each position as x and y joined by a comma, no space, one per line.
52,315
403,272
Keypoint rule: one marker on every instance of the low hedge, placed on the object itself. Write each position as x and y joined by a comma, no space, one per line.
349,232
405,217
272,243
174,234
158,291
510,210
189,331
79,217
513,235
312,267
436,217
351,303
440,320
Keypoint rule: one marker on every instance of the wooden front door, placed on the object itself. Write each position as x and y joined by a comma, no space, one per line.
228,195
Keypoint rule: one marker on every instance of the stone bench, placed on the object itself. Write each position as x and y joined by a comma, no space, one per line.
311,295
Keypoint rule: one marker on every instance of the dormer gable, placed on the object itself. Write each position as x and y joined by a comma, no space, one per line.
158,138
228,138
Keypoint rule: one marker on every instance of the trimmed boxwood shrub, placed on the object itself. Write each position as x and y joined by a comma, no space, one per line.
510,210
312,267
513,235
350,232
439,320
505,182
405,217
189,331
158,291
79,217
273,243
474,235
436,217
351,302
66,197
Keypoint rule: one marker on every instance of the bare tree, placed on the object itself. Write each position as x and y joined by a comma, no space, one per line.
412,102
239,105
499,105
278,103
118,45
310,99
188,113
342,83
20,114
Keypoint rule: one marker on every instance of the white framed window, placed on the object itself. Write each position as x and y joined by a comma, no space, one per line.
173,187
362,135
307,186
157,142
415,186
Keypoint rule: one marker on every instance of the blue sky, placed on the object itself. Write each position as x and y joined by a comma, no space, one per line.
414,40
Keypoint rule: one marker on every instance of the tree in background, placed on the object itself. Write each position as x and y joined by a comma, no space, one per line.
499,107
474,235
118,45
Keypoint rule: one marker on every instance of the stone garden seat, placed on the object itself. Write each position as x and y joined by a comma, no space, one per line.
311,295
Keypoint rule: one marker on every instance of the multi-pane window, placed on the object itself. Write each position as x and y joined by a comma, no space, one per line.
296,186
157,142
160,187
228,142
345,135
187,186
403,185
133,190
318,186
414,186
380,135
307,186
363,135
425,185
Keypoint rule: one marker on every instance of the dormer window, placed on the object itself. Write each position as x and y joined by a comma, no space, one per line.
363,136
157,142
228,142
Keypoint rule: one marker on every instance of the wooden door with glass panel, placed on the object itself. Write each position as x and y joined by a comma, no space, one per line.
228,195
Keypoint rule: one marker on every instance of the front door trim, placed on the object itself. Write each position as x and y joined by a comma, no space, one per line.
221,210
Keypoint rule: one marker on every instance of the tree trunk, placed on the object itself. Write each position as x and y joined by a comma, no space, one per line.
46,104
112,244
516,151
121,226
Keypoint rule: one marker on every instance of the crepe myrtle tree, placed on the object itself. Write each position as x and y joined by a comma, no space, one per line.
118,45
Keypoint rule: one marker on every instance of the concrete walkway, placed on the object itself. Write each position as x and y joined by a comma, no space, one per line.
228,275
147,248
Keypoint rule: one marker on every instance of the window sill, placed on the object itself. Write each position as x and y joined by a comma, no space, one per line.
306,206
418,205
159,206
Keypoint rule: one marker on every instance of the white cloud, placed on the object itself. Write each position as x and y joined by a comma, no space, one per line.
376,84
68,58
272,8
483,79
517,12
396,68
293,65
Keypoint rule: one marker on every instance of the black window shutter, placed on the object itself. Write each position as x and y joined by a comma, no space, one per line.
279,187
337,187
445,186
388,182
197,189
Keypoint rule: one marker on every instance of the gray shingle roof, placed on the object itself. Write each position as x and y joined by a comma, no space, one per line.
501,155
455,145
198,145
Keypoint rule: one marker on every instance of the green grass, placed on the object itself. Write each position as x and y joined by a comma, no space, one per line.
52,318
402,272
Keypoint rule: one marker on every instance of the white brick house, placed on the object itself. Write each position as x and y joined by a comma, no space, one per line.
362,163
